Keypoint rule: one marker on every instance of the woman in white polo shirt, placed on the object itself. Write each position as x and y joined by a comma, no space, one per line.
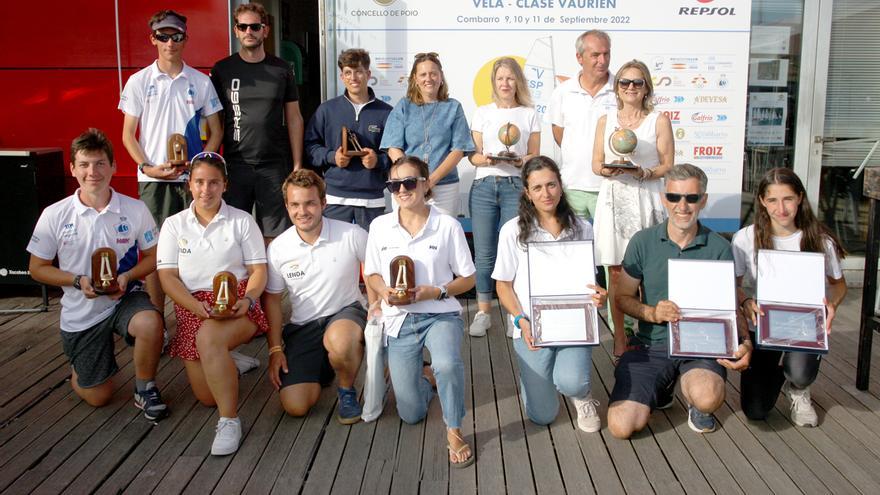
544,215
443,269
194,245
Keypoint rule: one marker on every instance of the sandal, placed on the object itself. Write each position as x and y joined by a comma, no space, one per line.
458,452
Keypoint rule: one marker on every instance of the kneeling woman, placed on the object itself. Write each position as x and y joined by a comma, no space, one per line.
443,269
544,215
194,245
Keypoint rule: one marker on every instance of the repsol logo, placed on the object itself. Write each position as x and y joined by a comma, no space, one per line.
234,98
708,152
706,11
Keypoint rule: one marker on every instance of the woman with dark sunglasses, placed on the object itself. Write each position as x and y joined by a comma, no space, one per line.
429,124
629,198
194,245
784,221
544,216
443,269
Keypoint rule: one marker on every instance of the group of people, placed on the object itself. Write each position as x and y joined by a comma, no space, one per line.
339,232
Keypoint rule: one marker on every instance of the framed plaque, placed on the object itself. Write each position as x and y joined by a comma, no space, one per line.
703,336
790,327
561,308
350,144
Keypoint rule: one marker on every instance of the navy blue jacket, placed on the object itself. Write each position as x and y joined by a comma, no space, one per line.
323,136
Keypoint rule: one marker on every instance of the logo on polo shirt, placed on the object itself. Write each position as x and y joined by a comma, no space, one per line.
149,235
292,271
182,244
374,128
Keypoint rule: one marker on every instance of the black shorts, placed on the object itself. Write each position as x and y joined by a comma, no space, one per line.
91,351
260,186
645,373
307,360
164,199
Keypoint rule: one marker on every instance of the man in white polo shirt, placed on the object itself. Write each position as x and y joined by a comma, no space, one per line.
96,216
318,261
167,97
575,108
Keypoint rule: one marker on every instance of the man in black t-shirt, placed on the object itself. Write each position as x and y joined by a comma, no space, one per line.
263,126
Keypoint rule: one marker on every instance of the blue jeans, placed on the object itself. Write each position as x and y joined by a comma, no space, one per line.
548,370
360,215
441,333
493,201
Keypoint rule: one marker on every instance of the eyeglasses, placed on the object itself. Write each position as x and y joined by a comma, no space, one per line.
255,27
624,83
163,38
210,154
674,198
427,55
349,73
408,183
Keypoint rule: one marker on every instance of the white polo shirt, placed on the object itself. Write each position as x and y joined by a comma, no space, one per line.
166,106
321,278
439,252
73,231
512,264
572,108
229,242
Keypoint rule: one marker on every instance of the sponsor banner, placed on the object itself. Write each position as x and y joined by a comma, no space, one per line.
697,51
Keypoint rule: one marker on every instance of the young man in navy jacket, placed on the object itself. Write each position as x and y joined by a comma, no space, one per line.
355,184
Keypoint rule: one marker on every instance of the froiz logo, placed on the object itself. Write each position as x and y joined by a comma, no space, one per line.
706,10
708,152
674,115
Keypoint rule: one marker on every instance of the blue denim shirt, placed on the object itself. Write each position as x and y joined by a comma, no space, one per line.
447,131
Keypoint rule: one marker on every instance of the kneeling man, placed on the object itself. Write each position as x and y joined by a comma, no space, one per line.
645,375
318,261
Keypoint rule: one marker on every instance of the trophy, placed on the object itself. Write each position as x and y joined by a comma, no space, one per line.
177,152
622,143
225,295
404,281
350,144
508,135
104,271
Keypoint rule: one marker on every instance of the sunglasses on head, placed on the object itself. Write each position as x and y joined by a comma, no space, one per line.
690,198
624,83
163,38
255,27
209,154
427,55
408,183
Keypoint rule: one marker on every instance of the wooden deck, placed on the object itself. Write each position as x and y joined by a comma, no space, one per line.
52,442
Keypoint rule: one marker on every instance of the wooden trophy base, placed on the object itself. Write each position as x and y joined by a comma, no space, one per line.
350,145
107,257
398,299
225,286
625,164
507,156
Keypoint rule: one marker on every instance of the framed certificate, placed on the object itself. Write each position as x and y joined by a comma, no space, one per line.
703,336
561,308
791,289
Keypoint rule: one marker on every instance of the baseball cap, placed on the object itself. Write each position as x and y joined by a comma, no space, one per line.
170,21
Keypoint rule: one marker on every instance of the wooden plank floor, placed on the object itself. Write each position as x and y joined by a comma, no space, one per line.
51,442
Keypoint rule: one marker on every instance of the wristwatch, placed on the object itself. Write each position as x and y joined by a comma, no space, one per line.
142,165
251,302
519,317
443,293
76,284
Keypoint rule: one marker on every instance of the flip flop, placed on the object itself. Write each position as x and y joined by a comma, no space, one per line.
465,463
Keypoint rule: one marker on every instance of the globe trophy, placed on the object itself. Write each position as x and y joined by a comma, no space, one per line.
509,135
350,144
404,275
177,152
225,295
104,271
623,143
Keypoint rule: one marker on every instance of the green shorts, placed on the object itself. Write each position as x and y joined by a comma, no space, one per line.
582,202
164,199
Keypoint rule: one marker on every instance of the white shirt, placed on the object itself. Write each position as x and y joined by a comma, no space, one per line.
488,120
166,106
73,231
321,278
743,245
511,262
575,110
229,242
439,252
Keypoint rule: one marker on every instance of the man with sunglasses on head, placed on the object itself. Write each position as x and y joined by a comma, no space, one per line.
167,97
263,127
575,108
645,376
354,183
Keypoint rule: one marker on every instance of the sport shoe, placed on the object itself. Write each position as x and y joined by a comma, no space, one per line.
480,325
244,363
348,410
150,402
699,421
802,411
588,414
228,436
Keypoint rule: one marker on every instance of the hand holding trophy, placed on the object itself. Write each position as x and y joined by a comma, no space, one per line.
509,135
350,145
623,143
177,150
104,271
225,295
403,273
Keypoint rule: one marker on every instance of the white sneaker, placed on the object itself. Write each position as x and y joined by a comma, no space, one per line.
588,414
228,436
480,325
244,363
802,412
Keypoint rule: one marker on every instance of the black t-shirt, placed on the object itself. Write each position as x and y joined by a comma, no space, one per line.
253,97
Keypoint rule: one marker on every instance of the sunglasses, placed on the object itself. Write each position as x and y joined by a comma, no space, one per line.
427,55
163,38
210,154
408,183
624,83
255,27
674,198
